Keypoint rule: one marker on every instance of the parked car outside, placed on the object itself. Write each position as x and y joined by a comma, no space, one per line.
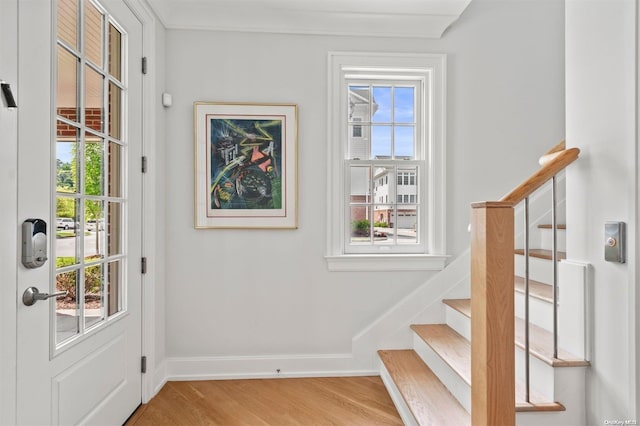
65,223
91,224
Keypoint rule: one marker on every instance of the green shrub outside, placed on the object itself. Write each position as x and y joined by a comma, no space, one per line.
67,280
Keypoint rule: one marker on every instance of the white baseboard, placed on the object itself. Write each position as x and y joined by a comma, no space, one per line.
261,367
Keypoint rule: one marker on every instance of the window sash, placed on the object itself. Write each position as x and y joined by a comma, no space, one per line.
372,199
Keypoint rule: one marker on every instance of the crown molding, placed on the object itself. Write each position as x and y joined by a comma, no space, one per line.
373,18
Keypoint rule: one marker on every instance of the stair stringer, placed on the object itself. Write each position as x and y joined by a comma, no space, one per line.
391,330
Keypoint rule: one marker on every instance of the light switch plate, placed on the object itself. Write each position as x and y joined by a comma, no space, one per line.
614,242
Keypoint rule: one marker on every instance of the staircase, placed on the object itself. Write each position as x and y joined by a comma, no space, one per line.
431,384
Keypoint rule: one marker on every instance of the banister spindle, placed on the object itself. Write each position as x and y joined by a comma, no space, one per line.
554,259
526,301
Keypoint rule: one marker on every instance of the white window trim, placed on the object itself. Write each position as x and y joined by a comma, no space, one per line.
433,68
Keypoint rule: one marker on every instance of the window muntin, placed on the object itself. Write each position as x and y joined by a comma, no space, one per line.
386,112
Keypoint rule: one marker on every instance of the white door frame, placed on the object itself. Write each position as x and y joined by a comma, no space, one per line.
9,213
154,378
9,243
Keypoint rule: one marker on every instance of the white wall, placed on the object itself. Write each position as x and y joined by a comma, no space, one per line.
601,58
232,293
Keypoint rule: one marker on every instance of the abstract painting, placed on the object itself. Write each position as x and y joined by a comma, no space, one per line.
245,160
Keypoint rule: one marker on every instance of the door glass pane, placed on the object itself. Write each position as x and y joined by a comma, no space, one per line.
115,110
93,165
113,287
114,182
93,298
67,85
93,99
93,33
66,164
67,307
67,244
114,225
115,52
68,22
89,167
94,230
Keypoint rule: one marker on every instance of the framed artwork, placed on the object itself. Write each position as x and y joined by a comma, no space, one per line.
245,165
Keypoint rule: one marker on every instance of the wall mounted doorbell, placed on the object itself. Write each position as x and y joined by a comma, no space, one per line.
34,243
614,242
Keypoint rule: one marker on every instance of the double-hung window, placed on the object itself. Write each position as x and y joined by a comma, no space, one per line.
386,162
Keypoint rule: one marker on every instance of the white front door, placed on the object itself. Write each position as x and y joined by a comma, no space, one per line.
79,150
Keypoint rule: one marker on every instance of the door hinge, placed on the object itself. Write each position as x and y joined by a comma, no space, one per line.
143,364
143,265
144,65
144,164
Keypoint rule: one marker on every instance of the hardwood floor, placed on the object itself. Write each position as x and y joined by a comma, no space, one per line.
308,401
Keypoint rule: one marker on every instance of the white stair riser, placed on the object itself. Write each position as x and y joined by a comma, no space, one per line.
573,307
558,418
546,239
540,311
459,322
541,375
458,387
569,391
396,397
539,269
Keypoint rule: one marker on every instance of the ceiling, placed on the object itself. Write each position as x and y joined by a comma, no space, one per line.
388,18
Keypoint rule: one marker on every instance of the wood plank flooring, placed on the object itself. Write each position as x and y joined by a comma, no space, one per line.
317,401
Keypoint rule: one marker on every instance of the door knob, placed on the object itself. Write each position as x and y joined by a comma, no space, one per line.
32,295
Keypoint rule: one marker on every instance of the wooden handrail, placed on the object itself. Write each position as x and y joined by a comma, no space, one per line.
561,146
554,163
492,287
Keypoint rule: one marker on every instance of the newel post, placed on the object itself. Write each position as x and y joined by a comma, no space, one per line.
492,314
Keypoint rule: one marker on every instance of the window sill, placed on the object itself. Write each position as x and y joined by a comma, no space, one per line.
380,263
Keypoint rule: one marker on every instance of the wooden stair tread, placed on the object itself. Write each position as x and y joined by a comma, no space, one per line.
455,351
540,340
427,397
537,402
541,346
461,305
536,289
548,226
542,254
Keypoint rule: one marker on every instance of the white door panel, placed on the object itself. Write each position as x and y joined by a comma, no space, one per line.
79,362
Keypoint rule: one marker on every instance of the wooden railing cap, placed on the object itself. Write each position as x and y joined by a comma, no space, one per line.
491,204
556,162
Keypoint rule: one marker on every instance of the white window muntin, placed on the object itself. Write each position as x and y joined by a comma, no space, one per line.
389,199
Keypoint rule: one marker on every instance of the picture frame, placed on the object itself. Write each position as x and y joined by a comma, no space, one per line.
245,165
